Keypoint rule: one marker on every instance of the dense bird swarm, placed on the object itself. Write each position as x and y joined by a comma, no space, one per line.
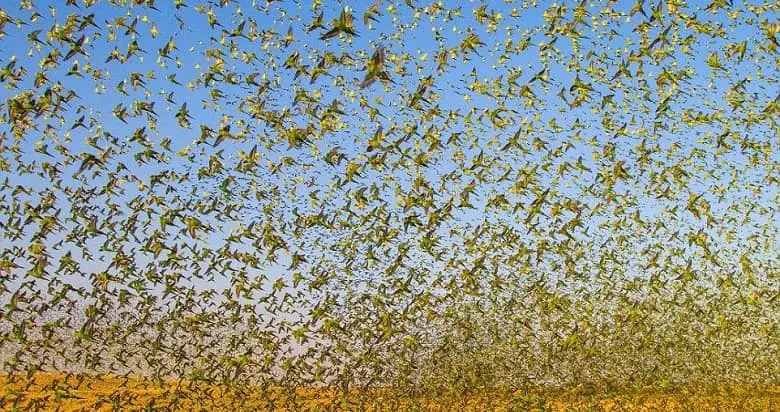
418,198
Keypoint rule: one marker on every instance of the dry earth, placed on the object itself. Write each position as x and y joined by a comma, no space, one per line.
90,392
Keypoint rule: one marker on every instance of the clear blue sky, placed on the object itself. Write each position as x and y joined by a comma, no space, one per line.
195,38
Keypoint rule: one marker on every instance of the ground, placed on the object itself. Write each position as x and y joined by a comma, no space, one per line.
51,391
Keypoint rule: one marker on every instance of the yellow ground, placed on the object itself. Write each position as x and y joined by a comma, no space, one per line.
105,393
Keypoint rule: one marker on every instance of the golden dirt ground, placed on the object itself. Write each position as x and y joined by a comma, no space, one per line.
47,391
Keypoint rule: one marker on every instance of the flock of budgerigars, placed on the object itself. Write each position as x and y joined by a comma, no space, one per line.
422,196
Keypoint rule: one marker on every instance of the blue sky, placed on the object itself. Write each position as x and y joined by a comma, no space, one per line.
196,38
